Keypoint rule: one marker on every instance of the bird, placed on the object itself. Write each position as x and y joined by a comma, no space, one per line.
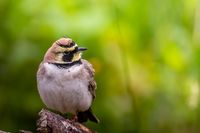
66,82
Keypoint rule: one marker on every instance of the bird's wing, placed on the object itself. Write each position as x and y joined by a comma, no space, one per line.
92,83
84,116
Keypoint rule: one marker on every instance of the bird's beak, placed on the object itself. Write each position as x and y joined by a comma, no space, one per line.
81,49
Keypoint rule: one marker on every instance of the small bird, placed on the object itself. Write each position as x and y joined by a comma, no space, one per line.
66,81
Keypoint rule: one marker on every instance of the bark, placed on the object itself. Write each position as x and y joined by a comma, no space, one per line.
50,122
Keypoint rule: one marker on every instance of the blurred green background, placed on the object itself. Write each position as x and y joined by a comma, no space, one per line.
146,55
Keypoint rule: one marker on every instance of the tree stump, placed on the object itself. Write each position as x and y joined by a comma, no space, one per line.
50,122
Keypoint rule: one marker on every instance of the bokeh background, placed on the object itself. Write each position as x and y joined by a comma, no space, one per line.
146,54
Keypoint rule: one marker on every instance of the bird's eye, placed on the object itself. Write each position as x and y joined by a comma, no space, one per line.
66,53
67,57
76,49
72,44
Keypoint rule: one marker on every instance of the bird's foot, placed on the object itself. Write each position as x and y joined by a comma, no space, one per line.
74,118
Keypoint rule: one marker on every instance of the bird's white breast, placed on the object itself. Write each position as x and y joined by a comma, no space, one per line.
64,90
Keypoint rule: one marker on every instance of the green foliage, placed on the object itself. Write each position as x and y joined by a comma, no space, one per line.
145,53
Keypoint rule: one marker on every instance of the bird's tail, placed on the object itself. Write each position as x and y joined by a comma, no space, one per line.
84,116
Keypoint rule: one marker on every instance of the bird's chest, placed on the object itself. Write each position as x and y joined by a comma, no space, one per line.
65,90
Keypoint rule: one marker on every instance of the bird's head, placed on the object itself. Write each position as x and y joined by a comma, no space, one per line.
64,50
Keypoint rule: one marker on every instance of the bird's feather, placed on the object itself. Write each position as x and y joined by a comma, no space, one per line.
92,83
